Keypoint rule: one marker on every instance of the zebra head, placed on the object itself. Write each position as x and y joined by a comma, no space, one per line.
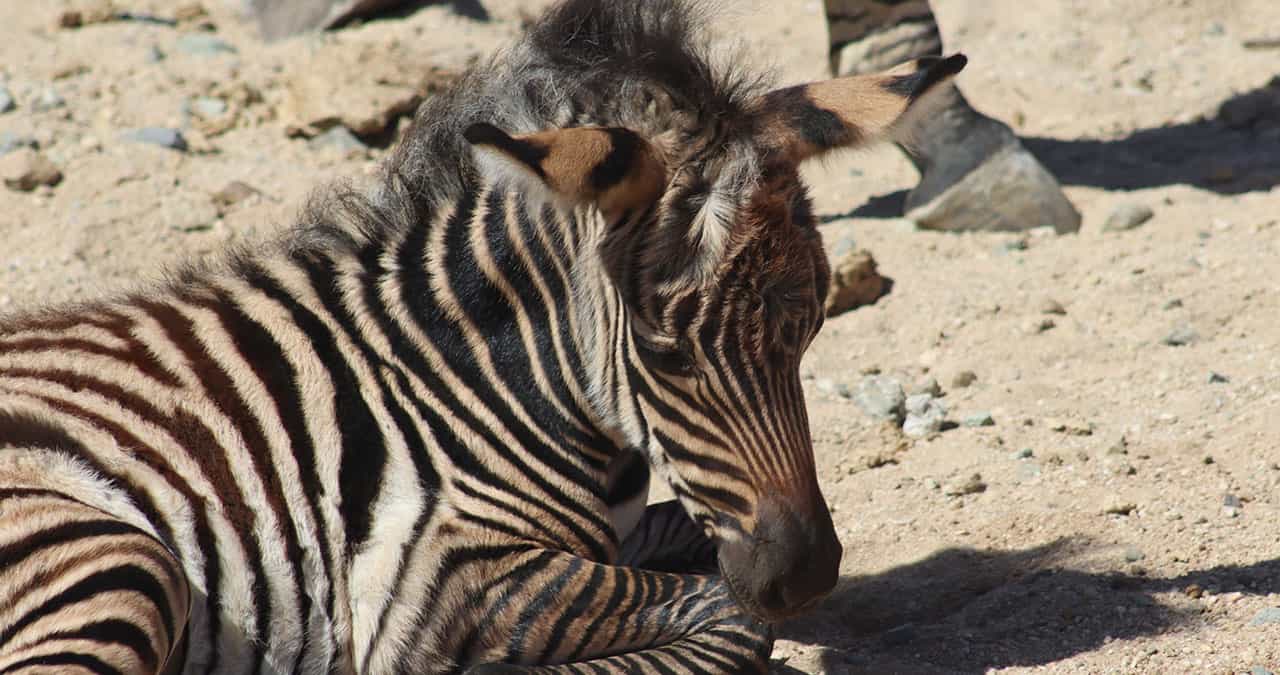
713,251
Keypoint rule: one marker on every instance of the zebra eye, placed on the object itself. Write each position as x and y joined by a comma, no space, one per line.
673,359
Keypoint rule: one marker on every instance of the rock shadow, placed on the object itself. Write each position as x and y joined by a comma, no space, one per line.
967,611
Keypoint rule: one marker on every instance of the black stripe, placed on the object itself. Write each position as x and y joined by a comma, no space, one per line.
614,167
126,577
114,632
88,662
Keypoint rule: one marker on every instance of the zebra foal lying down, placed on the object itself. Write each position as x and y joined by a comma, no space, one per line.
415,433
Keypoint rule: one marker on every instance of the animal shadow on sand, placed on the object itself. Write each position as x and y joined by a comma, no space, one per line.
1228,154
965,610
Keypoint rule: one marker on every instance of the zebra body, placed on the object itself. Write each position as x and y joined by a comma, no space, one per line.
413,434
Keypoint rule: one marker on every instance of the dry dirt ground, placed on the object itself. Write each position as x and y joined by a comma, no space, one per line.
1127,514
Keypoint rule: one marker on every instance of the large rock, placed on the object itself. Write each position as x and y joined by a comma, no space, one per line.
282,18
1010,191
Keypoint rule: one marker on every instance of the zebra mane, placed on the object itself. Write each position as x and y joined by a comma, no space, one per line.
647,66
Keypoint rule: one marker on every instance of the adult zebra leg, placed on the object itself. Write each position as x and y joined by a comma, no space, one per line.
82,591
594,618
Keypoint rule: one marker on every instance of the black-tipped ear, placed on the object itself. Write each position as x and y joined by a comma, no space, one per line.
612,167
808,120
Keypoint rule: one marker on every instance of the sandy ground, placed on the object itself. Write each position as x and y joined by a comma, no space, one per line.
1127,515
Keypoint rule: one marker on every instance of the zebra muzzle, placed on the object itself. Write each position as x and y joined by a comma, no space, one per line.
787,565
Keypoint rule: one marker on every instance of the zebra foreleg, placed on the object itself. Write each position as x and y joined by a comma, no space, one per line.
593,618
667,540
82,591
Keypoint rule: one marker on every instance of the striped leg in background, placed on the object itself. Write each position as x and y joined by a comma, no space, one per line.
83,592
667,540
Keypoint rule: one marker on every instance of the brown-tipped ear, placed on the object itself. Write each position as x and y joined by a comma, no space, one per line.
613,167
810,119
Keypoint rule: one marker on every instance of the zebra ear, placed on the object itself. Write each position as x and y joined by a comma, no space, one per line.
612,167
808,120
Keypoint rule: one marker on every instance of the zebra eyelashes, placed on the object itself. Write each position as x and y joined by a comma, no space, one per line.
612,167
808,120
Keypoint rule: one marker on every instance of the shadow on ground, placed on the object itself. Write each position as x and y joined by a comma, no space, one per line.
966,611
1234,153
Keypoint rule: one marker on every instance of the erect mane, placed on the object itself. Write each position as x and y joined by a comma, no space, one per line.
645,65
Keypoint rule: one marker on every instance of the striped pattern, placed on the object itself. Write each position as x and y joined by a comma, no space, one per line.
416,433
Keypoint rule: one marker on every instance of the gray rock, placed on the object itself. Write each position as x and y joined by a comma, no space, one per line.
1232,501
1259,670
6,100
153,55
880,397
1133,554
49,99
843,247
978,419
1127,217
203,44
1218,378
1010,191
1027,471
925,415
24,170
1025,453
1181,335
339,138
1266,615
164,137
10,141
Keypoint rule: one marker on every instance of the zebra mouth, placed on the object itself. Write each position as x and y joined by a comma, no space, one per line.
748,603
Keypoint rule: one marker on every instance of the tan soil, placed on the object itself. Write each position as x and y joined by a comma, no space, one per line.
1029,574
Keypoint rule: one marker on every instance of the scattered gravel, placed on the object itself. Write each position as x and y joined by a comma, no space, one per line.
49,99
1127,217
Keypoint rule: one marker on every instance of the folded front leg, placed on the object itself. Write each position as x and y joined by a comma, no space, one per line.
569,615
667,540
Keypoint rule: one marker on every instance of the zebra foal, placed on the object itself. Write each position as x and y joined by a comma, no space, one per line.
415,434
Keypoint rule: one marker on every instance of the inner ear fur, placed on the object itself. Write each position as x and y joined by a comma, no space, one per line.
612,167
808,120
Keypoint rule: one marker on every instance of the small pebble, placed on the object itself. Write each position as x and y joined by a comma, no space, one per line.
925,415
1040,325
979,419
1232,500
153,55
6,101
1119,507
1051,306
203,44
25,170
929,386
901,635
1172,304
339,138
1218,378
49,99
1265,616
964,379
207,107
1025,453
161,136
10,141
1259,670
1181,335
1127,217
965,486
1133,554
830,387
